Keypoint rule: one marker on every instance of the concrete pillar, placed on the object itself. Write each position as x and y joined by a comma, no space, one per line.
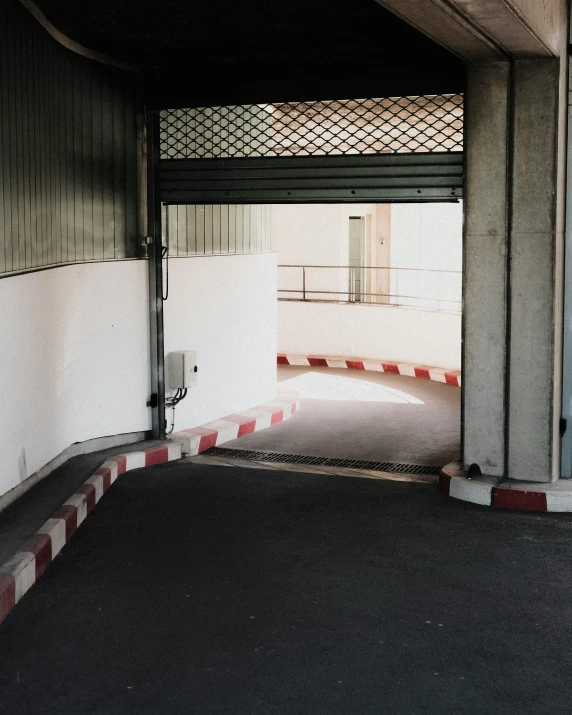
485,266
535,242
513,269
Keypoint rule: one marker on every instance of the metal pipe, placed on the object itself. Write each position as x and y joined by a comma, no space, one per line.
372,268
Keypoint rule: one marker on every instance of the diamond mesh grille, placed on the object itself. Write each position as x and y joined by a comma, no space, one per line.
352,126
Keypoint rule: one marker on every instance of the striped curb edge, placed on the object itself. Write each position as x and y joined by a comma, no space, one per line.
506,494
198,439
20,573
425,372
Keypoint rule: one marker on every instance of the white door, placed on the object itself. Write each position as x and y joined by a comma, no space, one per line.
356,252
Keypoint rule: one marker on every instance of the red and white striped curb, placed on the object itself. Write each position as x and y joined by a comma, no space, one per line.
506,494
198,439
426,372
20,572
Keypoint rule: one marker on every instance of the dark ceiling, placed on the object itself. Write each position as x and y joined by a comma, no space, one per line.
205,52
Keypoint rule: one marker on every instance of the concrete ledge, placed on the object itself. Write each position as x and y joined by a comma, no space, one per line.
506,493
425,372
20,573
198,439
90,445
24,568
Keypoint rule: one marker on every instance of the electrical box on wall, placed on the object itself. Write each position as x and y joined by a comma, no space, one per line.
181,369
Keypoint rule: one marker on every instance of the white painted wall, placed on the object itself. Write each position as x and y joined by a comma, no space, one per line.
427,236
366,331
224,307
75,357
75,362
314,233
317,235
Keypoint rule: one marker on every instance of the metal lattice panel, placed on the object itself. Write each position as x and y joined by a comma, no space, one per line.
354,126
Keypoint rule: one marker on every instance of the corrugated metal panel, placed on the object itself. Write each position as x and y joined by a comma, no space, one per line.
200,230
366,178
68,132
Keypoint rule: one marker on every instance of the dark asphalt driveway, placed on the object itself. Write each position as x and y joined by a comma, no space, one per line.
195,589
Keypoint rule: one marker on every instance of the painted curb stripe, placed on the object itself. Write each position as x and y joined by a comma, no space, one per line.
198,439
519,499
425,372
489,491
7,594
246,425
68,513
444,483
88,490
355,365
18,574
160,455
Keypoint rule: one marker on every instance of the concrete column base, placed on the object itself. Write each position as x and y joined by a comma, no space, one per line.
506,493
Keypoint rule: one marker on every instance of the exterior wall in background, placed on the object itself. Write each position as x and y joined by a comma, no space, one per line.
68,151
75,362
219,229
365,331
224,307
317,234
427,236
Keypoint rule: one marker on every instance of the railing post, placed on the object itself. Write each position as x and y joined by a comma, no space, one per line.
303,282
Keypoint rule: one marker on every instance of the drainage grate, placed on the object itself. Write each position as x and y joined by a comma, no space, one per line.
391,467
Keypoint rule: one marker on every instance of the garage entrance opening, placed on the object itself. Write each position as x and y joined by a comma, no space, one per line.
376,287
358,198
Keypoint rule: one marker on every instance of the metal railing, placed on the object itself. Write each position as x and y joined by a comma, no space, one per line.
425,288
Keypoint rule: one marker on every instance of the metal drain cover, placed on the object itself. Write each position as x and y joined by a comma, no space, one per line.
391,467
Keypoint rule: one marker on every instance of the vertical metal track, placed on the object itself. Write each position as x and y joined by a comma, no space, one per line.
155,279
566,448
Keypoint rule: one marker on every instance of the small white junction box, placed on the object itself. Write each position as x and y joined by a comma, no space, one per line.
182,369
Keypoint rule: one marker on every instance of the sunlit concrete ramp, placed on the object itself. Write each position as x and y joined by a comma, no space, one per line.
371,416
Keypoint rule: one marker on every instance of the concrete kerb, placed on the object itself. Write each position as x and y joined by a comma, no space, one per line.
20,573
24,568
506,493
425,372
198,439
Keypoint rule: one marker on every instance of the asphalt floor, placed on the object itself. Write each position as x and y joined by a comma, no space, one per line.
354,414
201,589
22,519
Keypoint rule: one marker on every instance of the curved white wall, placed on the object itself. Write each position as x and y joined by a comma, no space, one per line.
224,307
75,357
366,331
75,361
